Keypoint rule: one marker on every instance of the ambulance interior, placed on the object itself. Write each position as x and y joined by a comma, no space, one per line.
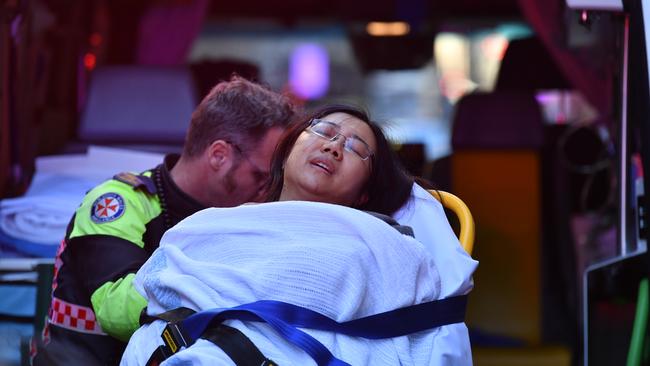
534,112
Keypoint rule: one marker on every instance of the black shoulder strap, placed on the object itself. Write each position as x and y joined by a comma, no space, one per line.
241,350
137,181
403,229
170,316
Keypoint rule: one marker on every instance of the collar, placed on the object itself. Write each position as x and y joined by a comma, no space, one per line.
177,203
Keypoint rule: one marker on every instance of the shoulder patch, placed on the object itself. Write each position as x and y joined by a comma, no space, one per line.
136,181
107,207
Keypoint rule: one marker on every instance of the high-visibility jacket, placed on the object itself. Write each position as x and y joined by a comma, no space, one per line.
95,308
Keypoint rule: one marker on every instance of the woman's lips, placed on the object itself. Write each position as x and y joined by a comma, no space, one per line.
323,164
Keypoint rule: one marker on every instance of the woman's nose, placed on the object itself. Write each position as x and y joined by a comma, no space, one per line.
335,146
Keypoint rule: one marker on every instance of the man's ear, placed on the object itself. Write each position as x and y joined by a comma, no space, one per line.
219,155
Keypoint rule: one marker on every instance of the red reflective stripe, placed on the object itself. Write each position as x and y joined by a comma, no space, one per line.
57,264
74,317
90,325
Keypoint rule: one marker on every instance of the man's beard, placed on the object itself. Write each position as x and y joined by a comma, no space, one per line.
229,181
231,187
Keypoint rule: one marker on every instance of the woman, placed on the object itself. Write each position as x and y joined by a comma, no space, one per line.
379,182
309,248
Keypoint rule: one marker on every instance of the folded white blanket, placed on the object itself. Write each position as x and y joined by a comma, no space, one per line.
60,183
337,261
42,216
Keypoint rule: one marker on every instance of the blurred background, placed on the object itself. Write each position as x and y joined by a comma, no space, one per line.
510,104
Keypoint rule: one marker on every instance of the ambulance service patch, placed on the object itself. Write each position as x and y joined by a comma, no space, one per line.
108,207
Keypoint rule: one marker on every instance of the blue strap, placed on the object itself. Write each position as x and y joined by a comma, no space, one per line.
284,318
196,324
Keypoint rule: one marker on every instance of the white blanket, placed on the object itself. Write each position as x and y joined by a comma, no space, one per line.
425,215
337,261
60,183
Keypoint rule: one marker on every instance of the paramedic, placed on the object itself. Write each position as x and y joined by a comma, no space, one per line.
225,162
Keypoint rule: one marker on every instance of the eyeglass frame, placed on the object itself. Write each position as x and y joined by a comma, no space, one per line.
316,121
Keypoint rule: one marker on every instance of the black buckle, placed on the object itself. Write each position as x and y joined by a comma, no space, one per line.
174,338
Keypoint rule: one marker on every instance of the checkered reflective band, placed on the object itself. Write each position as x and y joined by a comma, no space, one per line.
74,317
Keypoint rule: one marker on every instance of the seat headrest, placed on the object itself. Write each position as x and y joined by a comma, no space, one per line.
498,120
527,65
138,104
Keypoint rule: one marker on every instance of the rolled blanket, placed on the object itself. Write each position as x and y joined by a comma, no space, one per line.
35,223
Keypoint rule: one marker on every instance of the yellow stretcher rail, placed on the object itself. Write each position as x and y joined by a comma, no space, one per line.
455,204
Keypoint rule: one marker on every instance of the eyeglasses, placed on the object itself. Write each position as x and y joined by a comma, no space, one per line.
331,131
259,174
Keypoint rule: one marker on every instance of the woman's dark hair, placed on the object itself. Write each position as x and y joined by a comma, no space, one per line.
388,187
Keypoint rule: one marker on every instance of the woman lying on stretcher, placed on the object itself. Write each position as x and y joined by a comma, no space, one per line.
310,246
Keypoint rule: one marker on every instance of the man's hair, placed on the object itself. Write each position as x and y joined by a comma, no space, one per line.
238,111
388,186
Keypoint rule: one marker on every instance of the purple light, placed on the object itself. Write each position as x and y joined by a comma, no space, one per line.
309,71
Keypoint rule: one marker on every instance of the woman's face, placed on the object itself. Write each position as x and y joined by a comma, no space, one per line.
333,171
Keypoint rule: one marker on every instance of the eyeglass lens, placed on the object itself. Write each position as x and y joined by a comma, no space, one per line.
331,131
